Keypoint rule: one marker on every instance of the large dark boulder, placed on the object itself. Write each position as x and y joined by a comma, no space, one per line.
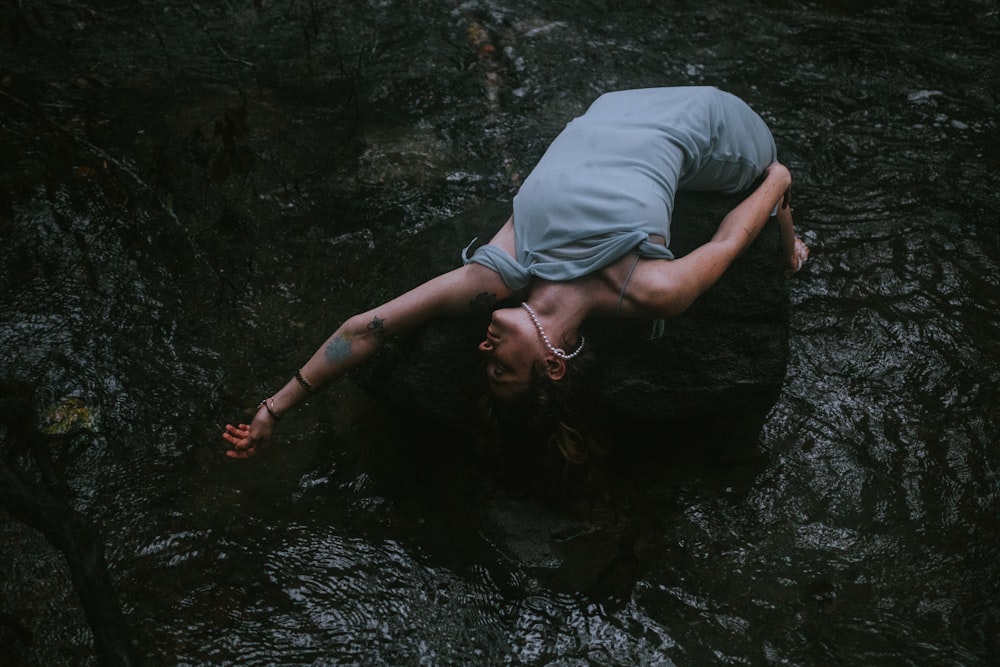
718,366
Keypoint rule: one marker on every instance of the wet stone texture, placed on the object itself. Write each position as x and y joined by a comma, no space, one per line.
193,195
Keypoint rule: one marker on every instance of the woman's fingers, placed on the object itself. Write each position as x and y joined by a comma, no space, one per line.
244,441
239,439
801,254
801,251
236,435
241,453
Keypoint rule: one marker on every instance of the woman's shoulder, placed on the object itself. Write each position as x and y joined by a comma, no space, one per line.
616,289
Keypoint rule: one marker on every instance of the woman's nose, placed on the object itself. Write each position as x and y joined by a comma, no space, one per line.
486,346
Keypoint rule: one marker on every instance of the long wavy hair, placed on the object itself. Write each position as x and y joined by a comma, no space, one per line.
553,427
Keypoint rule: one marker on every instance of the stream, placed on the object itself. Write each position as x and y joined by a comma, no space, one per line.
191,197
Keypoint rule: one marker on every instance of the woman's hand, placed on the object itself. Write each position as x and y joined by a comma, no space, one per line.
795,249
246,440
799,256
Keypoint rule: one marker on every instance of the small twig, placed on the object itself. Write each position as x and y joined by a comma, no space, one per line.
222,51
97,150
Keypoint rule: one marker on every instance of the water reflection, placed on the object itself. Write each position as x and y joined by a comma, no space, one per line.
868,533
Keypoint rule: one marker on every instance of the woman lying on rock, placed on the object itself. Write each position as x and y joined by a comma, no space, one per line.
589,237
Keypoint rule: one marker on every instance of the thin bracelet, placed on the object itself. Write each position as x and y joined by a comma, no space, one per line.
267,406
302,381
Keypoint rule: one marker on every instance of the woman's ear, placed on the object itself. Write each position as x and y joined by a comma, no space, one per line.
555,368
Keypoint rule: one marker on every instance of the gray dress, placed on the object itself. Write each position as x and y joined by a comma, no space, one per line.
607,182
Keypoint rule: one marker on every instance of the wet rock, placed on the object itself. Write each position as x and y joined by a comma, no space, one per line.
719,366
559,551
68,530
69,415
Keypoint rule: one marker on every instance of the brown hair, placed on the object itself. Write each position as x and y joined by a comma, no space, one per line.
555,426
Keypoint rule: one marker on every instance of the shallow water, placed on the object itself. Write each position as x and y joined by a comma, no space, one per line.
199,192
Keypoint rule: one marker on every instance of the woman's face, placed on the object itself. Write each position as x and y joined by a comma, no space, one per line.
512,349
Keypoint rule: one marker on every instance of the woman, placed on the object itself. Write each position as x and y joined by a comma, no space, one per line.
589,237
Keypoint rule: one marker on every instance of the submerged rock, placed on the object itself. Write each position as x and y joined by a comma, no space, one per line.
554,547
67,416
718,367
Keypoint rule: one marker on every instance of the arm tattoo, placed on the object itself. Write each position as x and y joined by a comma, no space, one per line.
483,302
375,326
338,349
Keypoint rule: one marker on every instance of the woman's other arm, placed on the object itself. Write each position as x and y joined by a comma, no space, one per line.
673,285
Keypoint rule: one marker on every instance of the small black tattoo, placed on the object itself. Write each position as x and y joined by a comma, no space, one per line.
375,326
483,302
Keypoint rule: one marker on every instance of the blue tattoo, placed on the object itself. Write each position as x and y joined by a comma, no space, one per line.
338,349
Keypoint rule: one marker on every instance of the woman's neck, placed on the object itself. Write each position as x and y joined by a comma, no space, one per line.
561,307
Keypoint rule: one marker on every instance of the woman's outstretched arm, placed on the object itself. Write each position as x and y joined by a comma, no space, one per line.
458,292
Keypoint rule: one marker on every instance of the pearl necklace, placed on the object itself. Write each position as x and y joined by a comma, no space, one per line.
558,351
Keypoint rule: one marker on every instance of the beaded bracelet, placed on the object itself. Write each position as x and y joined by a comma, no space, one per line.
267,406
302,381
